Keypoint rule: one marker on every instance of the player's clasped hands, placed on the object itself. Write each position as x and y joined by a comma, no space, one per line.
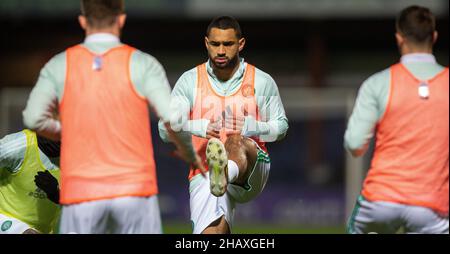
234,125
213,130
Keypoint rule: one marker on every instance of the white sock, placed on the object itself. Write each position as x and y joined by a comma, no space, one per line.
233,171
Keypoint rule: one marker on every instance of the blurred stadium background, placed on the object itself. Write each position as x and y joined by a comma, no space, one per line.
318,51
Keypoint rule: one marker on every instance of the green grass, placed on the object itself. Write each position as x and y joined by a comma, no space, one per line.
185,228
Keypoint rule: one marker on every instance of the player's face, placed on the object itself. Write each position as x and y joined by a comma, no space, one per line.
223,47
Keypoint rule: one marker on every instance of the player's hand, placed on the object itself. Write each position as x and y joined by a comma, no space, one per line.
49,184
234,125
213,130
197,164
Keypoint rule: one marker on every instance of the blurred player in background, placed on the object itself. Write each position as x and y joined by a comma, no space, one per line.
102,89
27,161
407,106
231,108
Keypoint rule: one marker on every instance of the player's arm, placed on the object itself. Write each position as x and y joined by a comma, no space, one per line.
42,105
368,110
182,100
154,86
273,124
12,151
179,110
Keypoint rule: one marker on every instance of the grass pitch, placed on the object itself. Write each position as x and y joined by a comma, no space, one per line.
185,228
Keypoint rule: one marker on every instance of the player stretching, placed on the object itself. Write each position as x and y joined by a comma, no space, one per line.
231,108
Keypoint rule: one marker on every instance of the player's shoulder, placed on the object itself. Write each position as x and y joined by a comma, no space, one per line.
264,79
381,77
262,75
140,53
57,60
11,138
189,75
60,56
13,142
145,57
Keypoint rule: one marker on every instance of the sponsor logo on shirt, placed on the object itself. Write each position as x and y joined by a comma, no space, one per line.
38,193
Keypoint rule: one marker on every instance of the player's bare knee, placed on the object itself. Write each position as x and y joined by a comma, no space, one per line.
234,140
251,150
219,226
30,231
249,144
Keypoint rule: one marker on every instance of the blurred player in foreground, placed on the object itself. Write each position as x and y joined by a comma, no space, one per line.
407,106
102,89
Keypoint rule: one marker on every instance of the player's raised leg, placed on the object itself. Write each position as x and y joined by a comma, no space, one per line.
231,162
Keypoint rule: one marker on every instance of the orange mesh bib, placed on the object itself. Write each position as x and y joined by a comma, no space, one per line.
410,164
209,105
106,148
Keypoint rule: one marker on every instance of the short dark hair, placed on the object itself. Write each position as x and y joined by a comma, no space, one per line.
417,24
102,13
225,22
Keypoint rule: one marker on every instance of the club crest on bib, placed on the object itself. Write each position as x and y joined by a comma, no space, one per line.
6,225
247,90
